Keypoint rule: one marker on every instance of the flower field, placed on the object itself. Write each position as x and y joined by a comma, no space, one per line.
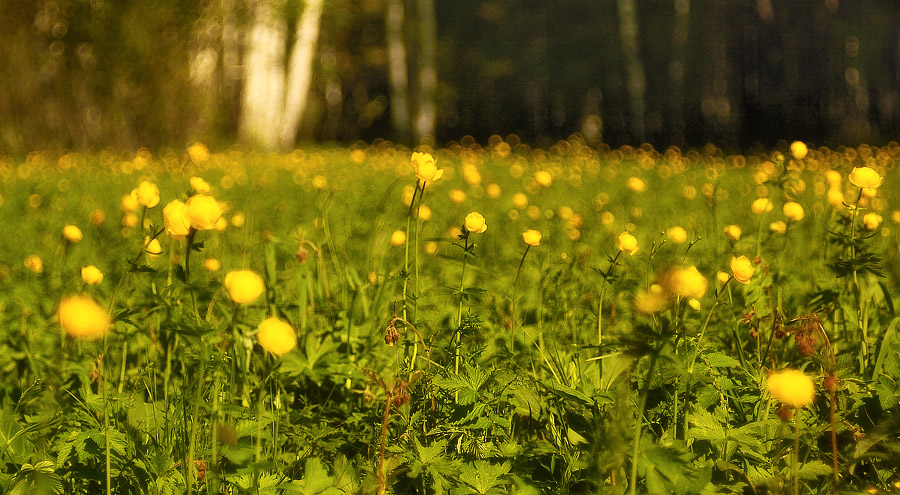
478,319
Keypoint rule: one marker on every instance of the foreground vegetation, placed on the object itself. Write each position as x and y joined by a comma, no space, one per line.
500,320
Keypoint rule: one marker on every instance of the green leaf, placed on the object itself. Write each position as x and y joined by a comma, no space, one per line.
482,476
705,426
813,469
315,481
720,360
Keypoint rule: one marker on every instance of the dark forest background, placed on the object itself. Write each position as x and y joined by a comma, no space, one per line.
120,74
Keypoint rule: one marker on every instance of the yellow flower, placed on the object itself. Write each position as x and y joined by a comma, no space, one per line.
677,234
543,178
520,200
319,182
130,202
833,177
243,286
799,150
627,242
34,263
835,196
865,177
153,249
91,275
425,166
532,237
742,269
81,317
761,205
687,282
212,264
198,152
636,184
238,219
423,213
475,223
72,234
792,387
722,277
778,226
733,232
202,211
694,304
431,247
398,238
276,336
493,191
793,210
652,300
175,218
98,216
872,220
147,194
130,220
199,185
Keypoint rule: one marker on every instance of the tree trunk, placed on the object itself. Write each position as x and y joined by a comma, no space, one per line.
427,113
678,68
300,71
637,81
263,95
399,74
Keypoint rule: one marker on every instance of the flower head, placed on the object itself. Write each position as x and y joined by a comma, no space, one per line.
778,226
627,243
398,238
81,317
793,210
865,177
203,211
243,286
636,184
175,218
147,194
799,150
532,237
276,336
91,275
154,248
761,206
688,282
733,232
72,234
742,269
792,387
130,202
212,264
34,263
198,152
677,234
199,185
543,178
425,166
475,223
872,220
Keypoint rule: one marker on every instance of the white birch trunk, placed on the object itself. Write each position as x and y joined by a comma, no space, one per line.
300,71
397,68
263,94
427,113
637,81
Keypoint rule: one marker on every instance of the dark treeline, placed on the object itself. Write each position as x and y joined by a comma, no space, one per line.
89,74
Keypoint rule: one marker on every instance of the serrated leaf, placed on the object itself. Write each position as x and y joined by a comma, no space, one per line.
705,426
315,481
482,476
720,360
813,469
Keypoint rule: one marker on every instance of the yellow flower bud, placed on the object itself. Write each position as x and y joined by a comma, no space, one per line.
761,206
203,211
212,264
81,317
778,226
687,282
91,275
475,223
153,249
733,232
636,184
520,200
835,196
130,202
723,277
198,152
627,243
532,237
742,269
793,210
276,336
457,195
677,234
872,220
72,234
243,286
425,166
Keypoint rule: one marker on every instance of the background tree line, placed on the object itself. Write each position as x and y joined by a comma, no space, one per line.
88,74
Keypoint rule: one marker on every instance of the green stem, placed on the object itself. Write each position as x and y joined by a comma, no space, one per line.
796,464
639,424
103,390
462,281
512,326
409,215
195,418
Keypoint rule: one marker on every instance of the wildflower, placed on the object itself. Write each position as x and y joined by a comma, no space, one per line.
72,234
761,205
147,194
198,152
677,234
243,286
176,221
687,282
423,213
520,200
833,177
130,220
543,178
202,211
153,249
835,197
431,247
475,223
799,150
425,166
398,238
97,216
733,232
694,304
778,226
872,220
130,202
199,185
742,269
627,242
636,184
221,224
212,264
34,263
91,275
82,317
793,210
319,182
792,387
863,177
722,277
457,195
276,336
238,220
493,191
652,300
532,237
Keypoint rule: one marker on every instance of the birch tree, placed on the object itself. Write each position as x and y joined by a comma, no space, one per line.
637,81
300,71
427,111
397,68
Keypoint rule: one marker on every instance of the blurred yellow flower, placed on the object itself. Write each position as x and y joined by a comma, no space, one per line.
72,234
276,336
543,178
872,220
865,177
198,152
742,269
627,243
778,226
425,166
398,238
431,247
97,216
153,249
243,286
423,213
694,304
493,191
652,300
238,219
81,317
130,220
319,182
677,234
457,195
835,197
722,277
91,275
761,206
176,221
34,263
636,184
833,177
793,210
687,282
792,387
130,202
799,150
199,185
212,264
202,211
532,237
221,224
147,194
475,223
520,200
733,232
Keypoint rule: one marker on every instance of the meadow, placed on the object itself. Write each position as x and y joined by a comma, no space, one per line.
473,319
